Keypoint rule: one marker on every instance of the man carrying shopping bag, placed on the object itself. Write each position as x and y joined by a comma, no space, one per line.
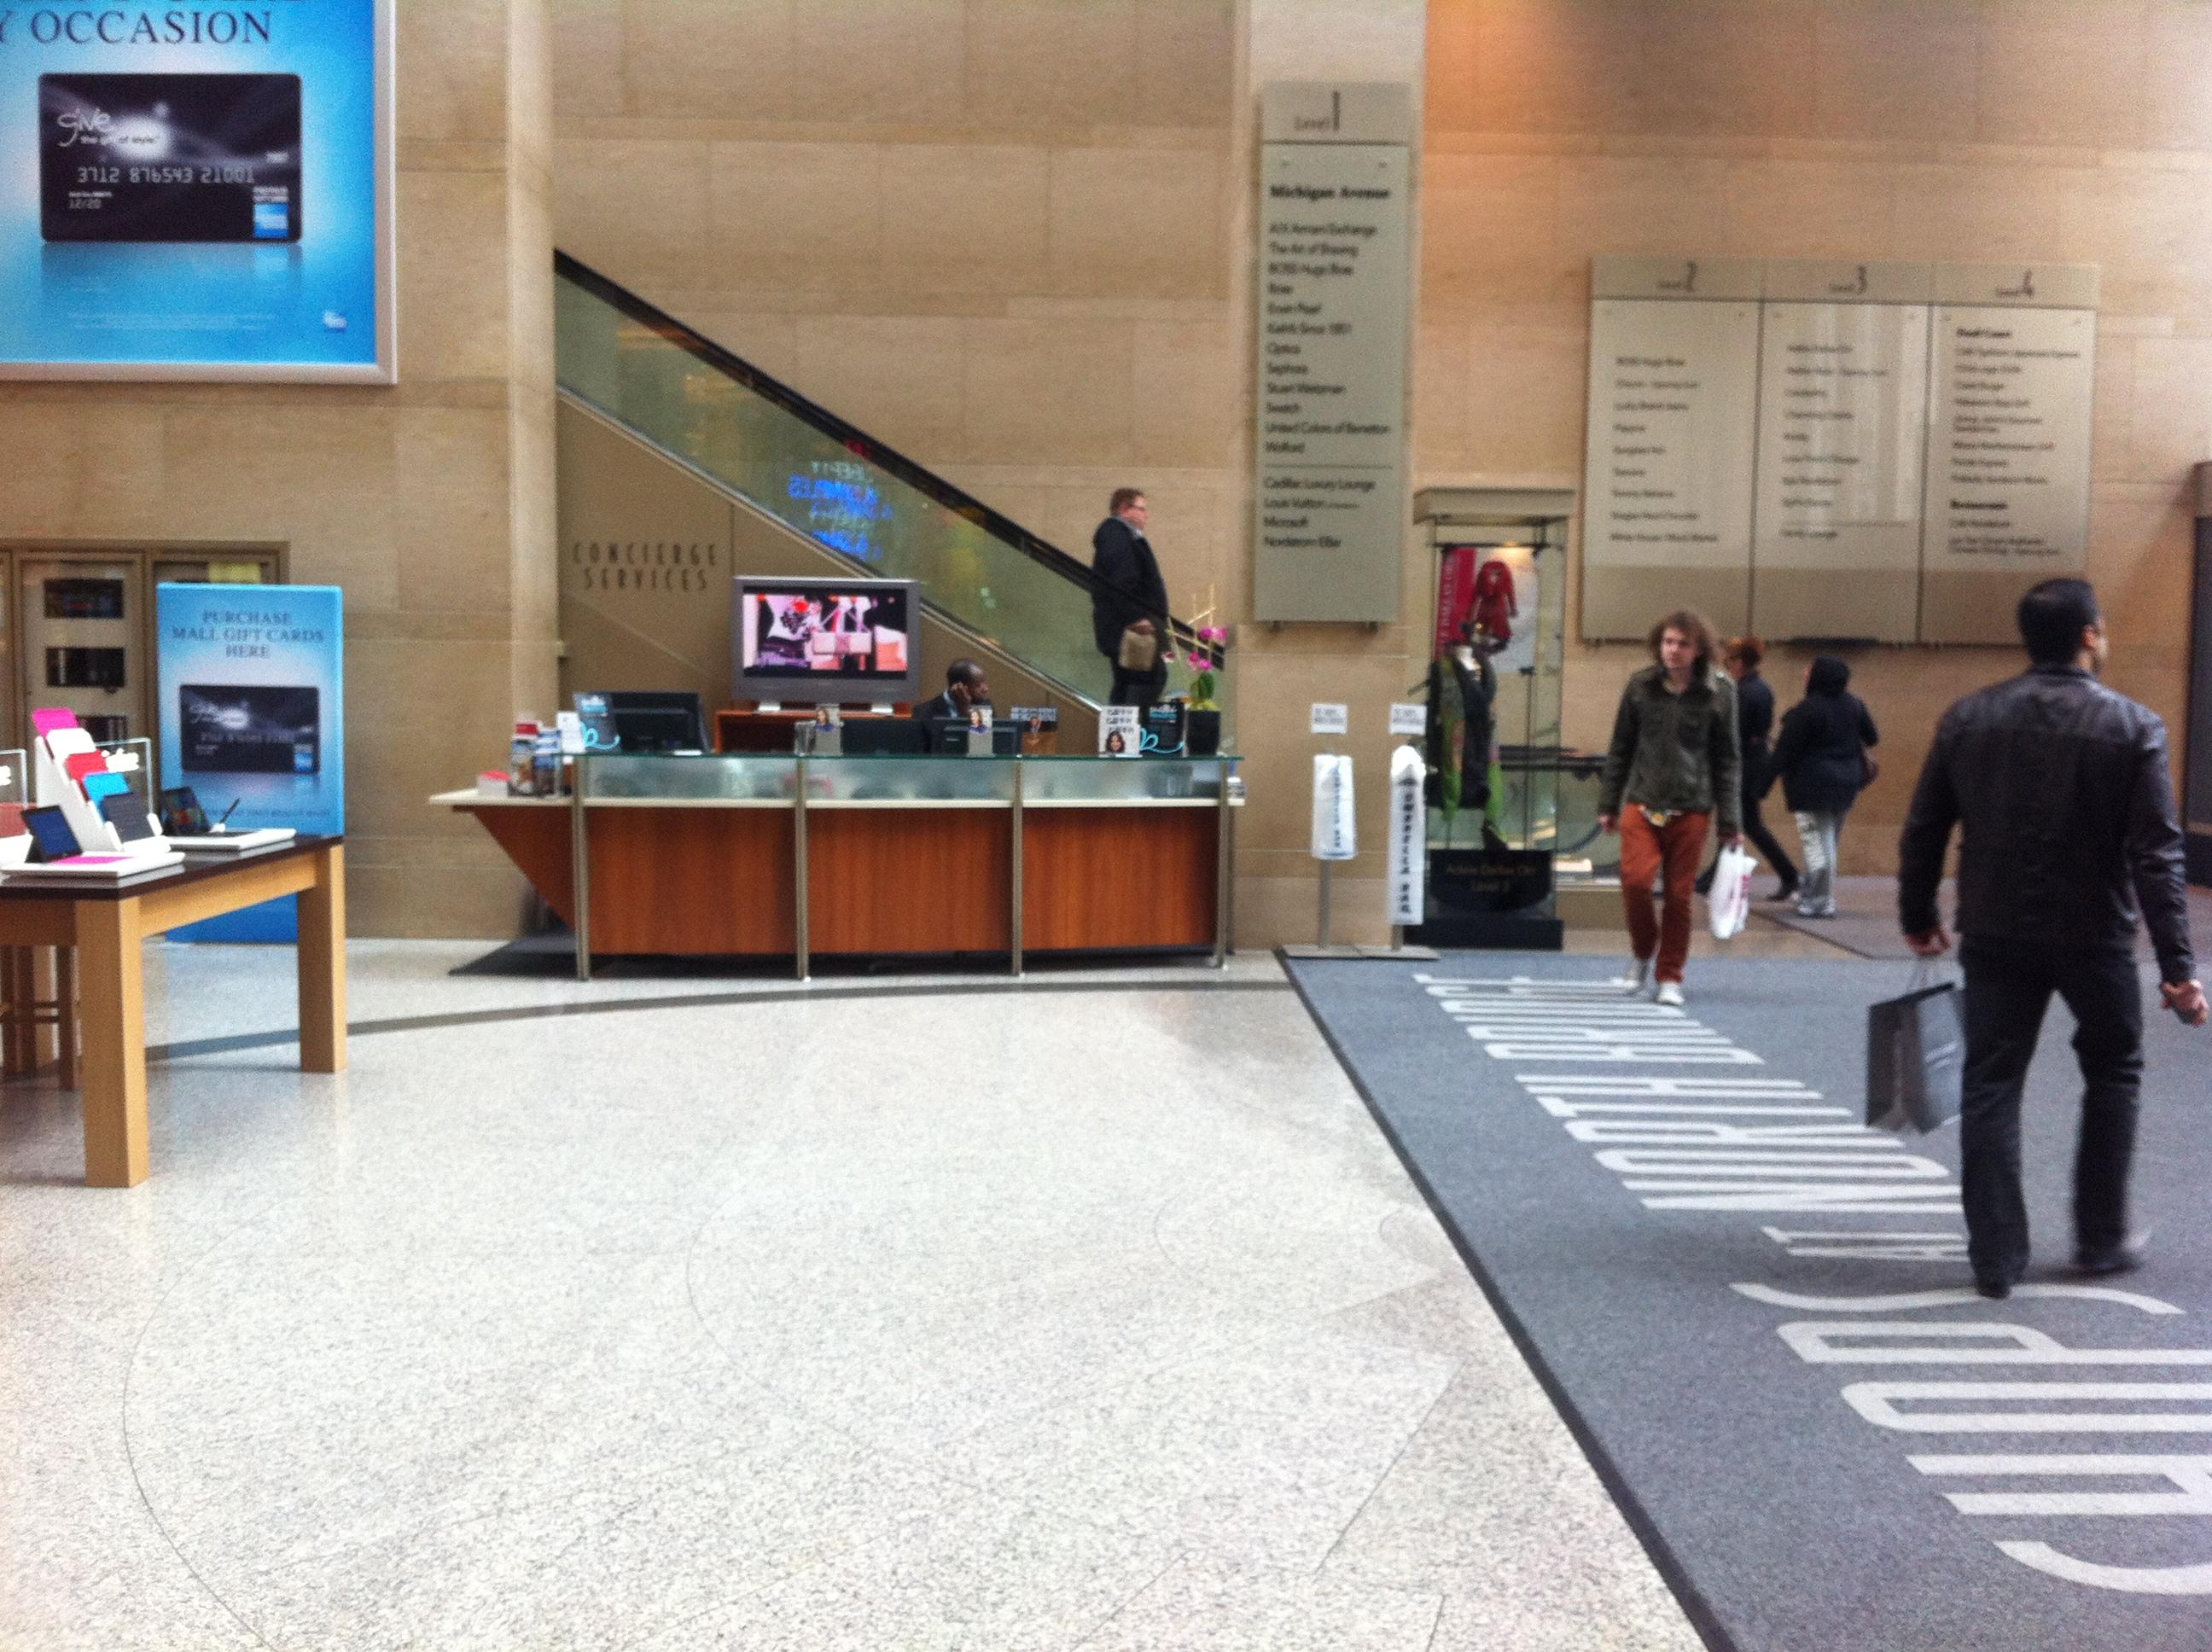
2062,789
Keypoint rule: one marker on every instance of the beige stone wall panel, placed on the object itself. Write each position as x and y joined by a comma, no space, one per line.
866,60
713,60
795,215
969,219
1144,222
450,73
2063,72
585,38
633,208
78,469
1045,63
1187,386
1896,68
1043,393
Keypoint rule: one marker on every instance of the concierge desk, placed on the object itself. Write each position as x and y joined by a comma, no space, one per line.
784,856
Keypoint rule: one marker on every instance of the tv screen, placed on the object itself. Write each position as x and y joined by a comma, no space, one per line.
817,641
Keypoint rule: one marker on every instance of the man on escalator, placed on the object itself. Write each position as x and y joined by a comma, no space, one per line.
1129,605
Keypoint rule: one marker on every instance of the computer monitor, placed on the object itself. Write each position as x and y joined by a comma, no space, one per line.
817,641
654,720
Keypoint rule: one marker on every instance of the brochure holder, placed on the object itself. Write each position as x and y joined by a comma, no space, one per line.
55,789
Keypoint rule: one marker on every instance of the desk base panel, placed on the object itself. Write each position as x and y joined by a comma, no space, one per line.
722,883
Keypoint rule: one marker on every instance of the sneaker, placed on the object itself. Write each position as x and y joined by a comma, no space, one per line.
2124,1258
1782,892
1636,977
1670,994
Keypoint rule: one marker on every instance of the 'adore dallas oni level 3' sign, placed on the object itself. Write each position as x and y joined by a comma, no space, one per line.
197,191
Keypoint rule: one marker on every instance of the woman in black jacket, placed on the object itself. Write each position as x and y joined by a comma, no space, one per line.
1754,722
1820,758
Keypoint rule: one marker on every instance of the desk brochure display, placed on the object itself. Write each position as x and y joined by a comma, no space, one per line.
77,841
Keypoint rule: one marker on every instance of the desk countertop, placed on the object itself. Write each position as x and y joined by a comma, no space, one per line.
197,868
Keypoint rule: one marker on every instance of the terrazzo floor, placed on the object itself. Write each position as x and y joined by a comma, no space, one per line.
937,1318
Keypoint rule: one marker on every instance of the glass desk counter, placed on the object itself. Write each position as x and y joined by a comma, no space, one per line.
776,854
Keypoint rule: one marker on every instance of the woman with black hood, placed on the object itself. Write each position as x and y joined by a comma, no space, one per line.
1820,758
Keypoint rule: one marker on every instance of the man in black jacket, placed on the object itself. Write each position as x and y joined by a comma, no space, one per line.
1130,598
965,687
2062,788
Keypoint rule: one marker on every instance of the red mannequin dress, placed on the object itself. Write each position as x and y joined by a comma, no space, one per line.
1495,605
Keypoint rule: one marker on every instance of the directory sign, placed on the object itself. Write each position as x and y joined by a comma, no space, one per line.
1333,305
1842,430
197,192
1673,417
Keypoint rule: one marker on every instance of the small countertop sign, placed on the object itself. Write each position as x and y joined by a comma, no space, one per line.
1408,717
1331,717
1121,732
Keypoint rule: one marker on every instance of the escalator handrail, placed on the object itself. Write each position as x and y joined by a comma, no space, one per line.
857,441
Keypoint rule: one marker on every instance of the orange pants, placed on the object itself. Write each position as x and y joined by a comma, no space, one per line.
1678,847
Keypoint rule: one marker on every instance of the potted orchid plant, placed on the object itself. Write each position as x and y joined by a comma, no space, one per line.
1202,712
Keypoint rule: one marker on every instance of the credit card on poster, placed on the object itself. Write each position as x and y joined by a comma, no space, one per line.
169,157
250,729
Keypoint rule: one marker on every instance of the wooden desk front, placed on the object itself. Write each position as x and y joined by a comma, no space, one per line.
883,877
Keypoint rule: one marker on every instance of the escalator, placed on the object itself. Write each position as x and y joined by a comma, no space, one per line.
661,430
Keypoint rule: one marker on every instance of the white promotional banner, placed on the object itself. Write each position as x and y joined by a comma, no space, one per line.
1335,830
1407,873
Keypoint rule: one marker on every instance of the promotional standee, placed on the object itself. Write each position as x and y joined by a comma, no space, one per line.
197,191
253,716
1407,861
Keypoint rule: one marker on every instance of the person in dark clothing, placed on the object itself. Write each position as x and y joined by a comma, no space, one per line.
2069,828
1754,723
1129,605
965,685
1820,758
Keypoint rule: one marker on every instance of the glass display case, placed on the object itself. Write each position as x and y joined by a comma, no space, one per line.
1511,807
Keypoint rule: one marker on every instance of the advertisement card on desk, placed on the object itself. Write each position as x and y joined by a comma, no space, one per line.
252,718
1121,732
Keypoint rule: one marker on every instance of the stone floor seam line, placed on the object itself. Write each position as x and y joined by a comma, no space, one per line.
234,1042
1389,1468
1149,1585
130,1448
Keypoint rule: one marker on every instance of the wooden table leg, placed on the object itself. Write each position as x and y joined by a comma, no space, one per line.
322,966
65,1033
46,1040
107,935
14,1042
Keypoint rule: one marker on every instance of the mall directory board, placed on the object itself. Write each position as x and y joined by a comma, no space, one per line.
197,191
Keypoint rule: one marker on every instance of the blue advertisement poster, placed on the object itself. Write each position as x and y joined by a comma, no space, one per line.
252,682
196,191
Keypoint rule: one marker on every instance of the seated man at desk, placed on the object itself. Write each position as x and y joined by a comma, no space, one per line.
965,685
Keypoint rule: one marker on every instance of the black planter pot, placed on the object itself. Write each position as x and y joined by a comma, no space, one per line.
1201,733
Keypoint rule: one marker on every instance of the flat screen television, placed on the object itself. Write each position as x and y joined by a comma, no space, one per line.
823,642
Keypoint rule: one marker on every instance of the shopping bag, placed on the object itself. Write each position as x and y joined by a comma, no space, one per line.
1729,904
1141,650
1916,1057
